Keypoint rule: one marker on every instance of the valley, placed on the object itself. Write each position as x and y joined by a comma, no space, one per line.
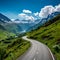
46,31
11,45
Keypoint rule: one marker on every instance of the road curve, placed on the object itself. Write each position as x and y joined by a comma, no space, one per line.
37,51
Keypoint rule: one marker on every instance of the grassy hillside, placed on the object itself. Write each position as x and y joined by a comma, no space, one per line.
12,27
49,34
11,48
5,34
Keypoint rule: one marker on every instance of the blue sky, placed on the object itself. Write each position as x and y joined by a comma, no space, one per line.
12,8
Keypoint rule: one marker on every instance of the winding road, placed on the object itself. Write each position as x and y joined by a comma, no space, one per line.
37,51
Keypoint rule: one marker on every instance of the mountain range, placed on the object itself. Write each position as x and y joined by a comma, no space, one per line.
20,26
40,22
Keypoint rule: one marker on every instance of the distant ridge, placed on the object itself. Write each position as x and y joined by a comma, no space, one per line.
4,18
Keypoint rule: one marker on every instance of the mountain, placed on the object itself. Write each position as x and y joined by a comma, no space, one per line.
7,25
3,18
28,25
17,20
52,15
49,34
3,29
19,26
43,20
24,24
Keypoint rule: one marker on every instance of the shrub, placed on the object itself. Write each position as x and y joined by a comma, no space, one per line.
2,53
56,48
46,43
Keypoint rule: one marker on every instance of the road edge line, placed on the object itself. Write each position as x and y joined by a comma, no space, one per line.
51,54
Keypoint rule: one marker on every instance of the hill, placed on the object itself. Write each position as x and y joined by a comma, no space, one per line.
49,34
7,25
4,18
3,30
11,46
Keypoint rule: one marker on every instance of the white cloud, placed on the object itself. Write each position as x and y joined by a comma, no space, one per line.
28,15
48,10
57,8
12,19
24,16
26,11
36,14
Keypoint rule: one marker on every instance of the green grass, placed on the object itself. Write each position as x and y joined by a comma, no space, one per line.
5,34
18,50
49,35
11,47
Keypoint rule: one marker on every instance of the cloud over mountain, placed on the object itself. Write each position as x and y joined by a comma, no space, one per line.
48,10
57,8
44,12
36,14
24,16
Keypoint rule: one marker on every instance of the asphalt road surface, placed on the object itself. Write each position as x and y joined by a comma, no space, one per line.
37,51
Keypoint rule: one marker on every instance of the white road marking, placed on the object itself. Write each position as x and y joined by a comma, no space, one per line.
51,54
